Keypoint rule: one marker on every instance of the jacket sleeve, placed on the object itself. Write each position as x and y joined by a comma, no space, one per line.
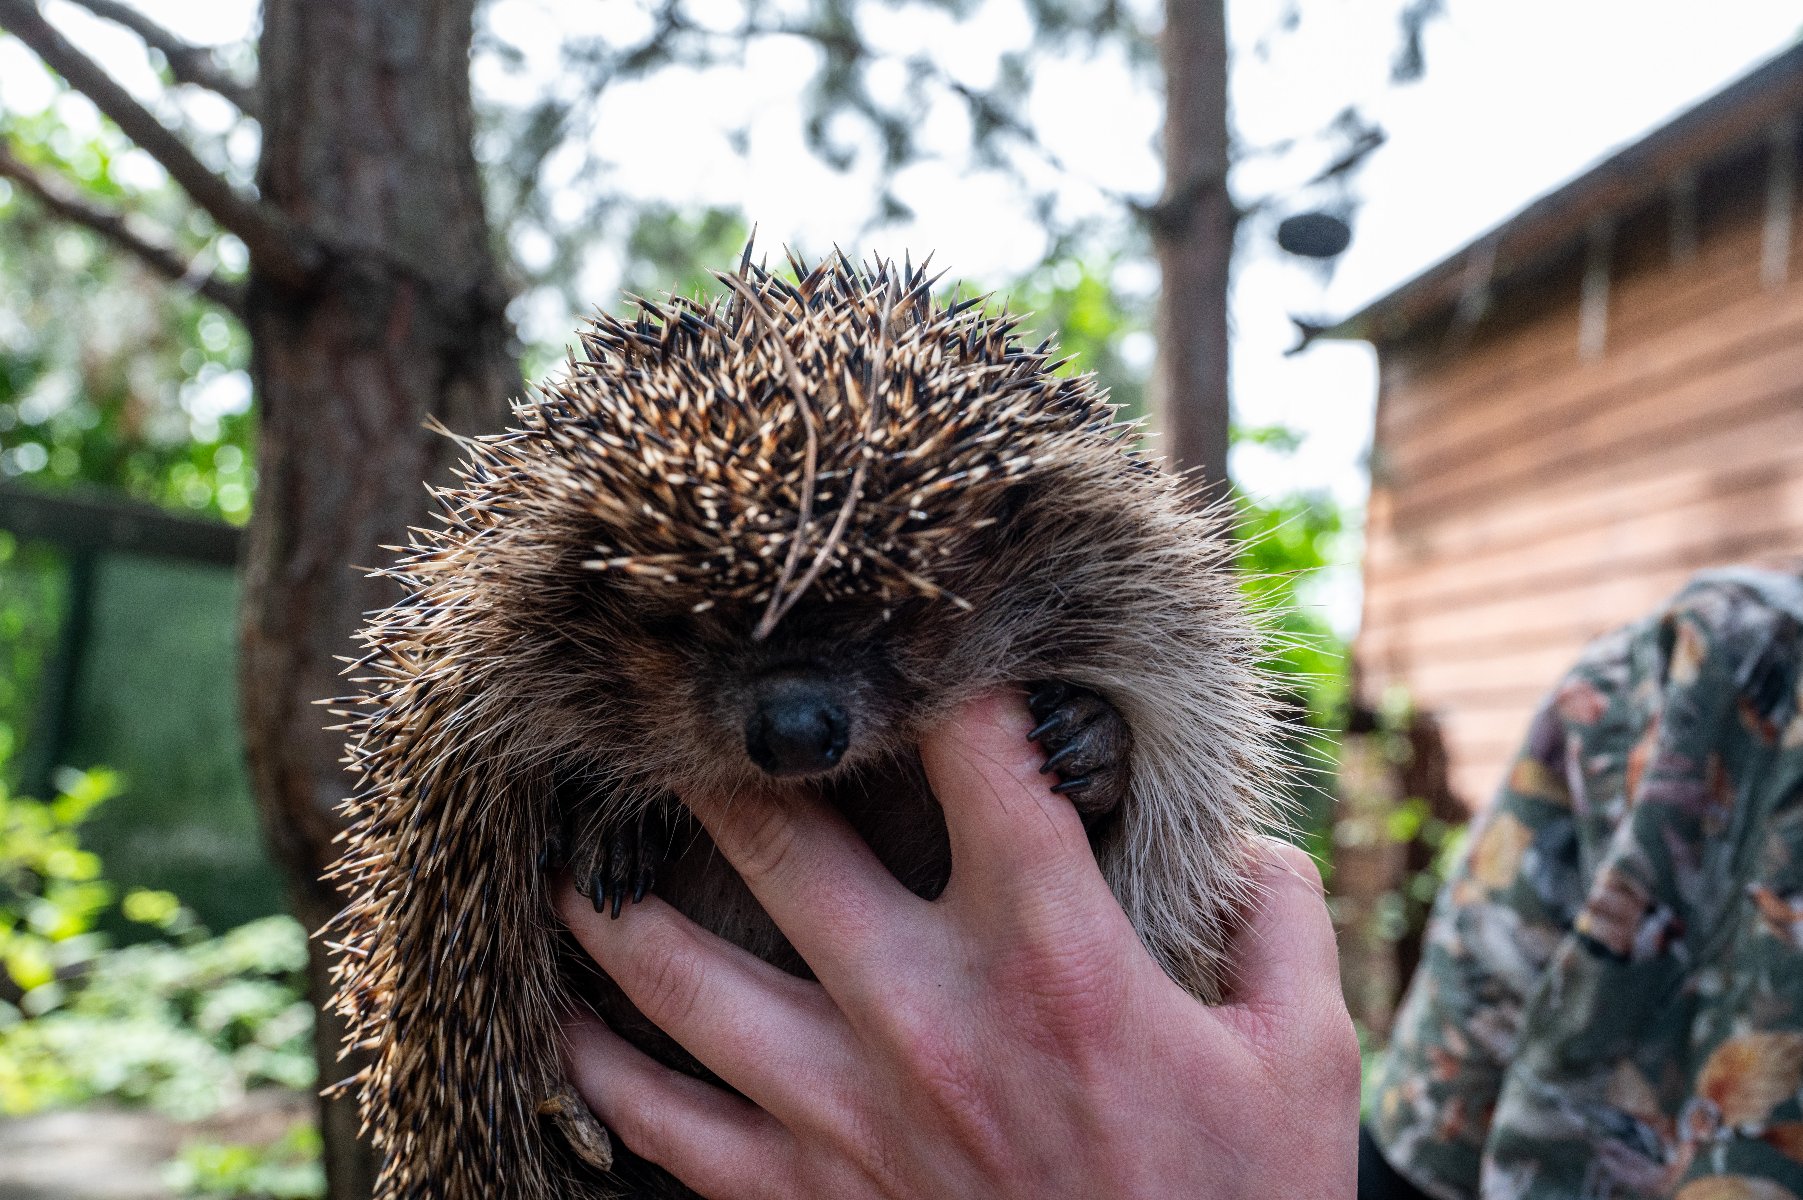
1511,899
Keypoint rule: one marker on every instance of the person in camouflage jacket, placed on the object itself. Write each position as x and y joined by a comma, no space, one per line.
1610,1003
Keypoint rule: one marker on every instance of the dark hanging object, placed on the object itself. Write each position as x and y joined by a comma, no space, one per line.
1314,235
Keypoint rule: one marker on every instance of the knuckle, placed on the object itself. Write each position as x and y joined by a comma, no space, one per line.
867,1142
1325,1071
766,841
1288,862
647,1132
1342,1067
1069,993
955,1082
670,980
1321,1049
913,1028
933,1047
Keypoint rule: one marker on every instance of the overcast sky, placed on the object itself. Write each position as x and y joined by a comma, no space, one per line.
1518,96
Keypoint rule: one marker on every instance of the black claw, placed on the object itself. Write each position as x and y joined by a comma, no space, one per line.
630,855
1069,751
1085,742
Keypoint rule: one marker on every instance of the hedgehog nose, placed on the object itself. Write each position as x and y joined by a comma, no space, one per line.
797,728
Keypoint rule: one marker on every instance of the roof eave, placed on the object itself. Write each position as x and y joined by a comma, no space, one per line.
1724,123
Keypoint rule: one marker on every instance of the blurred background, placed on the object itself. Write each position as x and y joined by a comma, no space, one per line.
1486,313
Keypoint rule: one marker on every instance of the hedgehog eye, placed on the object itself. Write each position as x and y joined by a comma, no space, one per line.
669,627
1014,498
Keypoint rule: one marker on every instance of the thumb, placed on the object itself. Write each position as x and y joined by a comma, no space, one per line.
1286,956
1010,833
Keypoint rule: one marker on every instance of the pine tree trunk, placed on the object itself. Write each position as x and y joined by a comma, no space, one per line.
367,124
1193,231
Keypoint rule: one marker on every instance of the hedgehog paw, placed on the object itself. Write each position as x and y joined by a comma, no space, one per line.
1086,742
631,853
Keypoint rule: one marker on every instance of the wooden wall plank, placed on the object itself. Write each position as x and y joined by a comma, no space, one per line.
1646,438
1700,516
1663,395
1646,307
1403,636
1606,501
1740,320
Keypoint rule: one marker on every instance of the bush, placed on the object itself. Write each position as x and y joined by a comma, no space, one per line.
185,1023
287,1170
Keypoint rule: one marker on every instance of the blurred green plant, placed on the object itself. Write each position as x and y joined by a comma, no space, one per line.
1286,546
51,892
670,250
109,376
288,1169
1431,841
1097,324
185,1023
32,586
1413,822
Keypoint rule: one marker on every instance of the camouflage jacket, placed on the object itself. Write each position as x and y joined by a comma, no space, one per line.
1610,1003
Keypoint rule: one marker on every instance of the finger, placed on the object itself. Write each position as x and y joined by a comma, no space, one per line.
1010,833
770,1035
1286,956
710,1139
840,908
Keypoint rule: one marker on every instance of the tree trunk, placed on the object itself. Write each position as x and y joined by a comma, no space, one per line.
367,148
1193,231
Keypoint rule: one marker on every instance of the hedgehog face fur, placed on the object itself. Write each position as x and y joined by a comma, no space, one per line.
740,548
840,682
773,552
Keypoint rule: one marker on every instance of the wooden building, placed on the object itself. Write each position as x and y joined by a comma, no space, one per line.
1580,409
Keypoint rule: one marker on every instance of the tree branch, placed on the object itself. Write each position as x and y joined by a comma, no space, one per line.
275,246
1171,213
68,203
187,62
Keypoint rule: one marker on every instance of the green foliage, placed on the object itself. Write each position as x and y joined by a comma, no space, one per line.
31,594
183,1026
1094,323
672,251
1285,546
51,892
1412,824
184,1023
108,375
289,1169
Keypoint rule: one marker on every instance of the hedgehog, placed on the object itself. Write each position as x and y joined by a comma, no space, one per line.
744,546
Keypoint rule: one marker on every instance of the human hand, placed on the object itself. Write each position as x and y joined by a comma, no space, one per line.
1012,1038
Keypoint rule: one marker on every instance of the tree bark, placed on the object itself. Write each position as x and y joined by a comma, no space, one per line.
1193,228
367,150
